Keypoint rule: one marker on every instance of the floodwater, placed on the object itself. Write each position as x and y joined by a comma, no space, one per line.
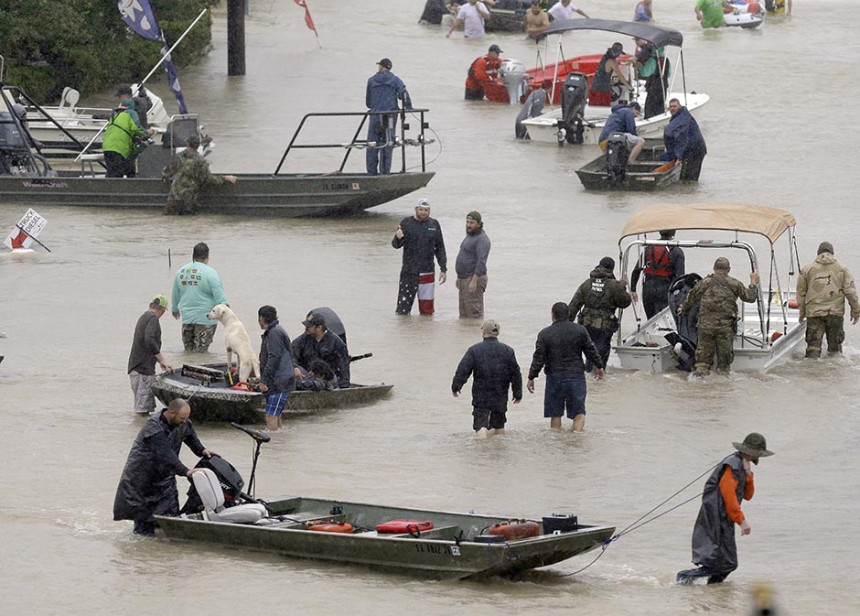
780,131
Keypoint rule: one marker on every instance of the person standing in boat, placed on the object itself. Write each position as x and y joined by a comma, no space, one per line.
494,370
714,548
317,343
558,352
277,380
684,141
147,487
482,71
472,17
471,267
564,9
822,288
384,89
606,69
125,94
598,298
188,173
662,265
118,142
145,352
717,296
653,67
197,288
421,239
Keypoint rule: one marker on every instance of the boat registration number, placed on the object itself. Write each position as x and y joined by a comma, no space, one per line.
342,186
432,548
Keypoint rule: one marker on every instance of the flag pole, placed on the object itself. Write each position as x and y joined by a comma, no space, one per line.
179,40
144,80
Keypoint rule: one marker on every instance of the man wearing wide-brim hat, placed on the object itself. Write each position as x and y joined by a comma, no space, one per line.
714,549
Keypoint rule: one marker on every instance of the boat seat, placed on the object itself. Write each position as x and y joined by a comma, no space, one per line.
87,161
209,488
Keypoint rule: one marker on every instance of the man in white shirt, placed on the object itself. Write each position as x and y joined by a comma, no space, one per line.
473,16
564,9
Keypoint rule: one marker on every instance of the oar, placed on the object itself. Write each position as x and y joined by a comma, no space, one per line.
353,358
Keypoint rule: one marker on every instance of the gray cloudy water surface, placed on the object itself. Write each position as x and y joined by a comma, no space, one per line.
781,131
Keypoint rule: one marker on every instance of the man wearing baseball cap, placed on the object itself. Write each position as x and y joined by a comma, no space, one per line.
714,549
145,351
384,89
484,70
493,367
717,296
317,343
421,239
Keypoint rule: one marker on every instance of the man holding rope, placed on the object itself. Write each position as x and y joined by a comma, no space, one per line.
714,549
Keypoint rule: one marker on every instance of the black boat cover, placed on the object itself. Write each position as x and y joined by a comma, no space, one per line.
657,35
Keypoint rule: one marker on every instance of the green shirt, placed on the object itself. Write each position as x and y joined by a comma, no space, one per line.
712,13
118,134
197,289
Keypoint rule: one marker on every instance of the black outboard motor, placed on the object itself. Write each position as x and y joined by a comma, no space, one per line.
686,324
617,154
229,478
574,96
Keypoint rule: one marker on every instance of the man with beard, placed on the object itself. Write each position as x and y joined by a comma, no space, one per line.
684,141
147,487
471,268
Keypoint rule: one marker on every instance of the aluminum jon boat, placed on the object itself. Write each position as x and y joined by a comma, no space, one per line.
768,331
212,399
647,172
457,545
27,178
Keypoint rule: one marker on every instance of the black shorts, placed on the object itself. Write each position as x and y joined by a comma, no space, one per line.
491,419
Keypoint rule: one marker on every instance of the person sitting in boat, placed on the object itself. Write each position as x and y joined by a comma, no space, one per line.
608,69
118,143
188,173
483,70
653,66
684,141
622,121
532,108
318,343
537,20
710,12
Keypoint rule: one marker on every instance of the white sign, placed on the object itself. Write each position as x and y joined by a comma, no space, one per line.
30,226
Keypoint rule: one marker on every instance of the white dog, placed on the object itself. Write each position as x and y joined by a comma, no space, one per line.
238,341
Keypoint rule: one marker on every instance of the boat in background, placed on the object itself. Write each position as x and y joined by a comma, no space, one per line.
582,115
768,331
611,171
747,15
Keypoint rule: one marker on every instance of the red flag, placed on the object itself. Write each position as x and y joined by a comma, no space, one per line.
308,20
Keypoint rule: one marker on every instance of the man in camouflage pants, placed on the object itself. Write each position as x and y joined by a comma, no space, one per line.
188,173
717,296
599,297
822,288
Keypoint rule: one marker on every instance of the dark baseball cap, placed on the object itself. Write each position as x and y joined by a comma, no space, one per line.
314,318
386,63
124,90
495,48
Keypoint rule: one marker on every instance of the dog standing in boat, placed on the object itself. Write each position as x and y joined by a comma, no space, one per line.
237,341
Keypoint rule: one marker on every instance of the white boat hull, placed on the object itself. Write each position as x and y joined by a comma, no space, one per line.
544,128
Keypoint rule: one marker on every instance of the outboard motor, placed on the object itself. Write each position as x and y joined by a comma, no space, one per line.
16,156
616,159
513,74
687,324
574,95
229,478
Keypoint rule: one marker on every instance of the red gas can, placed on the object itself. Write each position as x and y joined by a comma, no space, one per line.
331,527
404,526
516,529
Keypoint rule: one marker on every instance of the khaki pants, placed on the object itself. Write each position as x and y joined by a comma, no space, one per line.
472,304
817,327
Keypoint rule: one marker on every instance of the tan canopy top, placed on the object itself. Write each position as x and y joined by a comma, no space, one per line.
767,221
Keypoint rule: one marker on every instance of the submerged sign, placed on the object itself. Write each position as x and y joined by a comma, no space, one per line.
29,227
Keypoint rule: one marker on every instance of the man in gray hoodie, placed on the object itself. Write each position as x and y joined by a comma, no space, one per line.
472,267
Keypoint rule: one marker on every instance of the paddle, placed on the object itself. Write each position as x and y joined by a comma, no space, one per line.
353,358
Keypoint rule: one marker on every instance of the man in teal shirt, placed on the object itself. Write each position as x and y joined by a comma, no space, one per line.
710,12
197,289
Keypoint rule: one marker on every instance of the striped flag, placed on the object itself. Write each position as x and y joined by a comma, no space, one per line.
138,15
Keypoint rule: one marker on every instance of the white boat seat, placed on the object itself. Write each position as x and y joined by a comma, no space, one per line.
209,488
69,98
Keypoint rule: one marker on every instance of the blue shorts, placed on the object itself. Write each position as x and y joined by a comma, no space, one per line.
567,392
275,403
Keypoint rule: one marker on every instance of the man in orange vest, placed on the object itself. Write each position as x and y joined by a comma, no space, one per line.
661,264
483,70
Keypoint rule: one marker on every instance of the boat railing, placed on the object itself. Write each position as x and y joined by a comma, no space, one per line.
399,141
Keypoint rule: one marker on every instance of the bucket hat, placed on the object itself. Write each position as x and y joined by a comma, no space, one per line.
754,445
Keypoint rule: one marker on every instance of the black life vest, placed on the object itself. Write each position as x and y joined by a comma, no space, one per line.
657,262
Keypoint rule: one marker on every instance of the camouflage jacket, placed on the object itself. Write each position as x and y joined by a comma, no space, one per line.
717,296
598,298
823,286
189,173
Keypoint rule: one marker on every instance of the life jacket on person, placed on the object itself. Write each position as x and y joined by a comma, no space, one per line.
657,262
473,81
